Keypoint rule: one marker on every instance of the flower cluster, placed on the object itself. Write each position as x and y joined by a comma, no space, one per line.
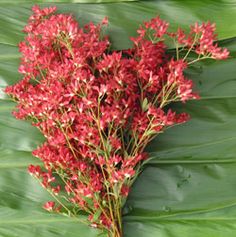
99,109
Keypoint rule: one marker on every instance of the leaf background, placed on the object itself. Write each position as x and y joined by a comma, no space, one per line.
189,187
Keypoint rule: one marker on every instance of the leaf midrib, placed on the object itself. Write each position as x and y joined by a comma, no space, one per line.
71,220
18,165
37,221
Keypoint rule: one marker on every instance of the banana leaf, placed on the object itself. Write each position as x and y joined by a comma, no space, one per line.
124,17
189,186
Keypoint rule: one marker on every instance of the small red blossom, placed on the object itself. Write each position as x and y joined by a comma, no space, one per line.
105,21
35,170
56,189
159,26
125,190
49,206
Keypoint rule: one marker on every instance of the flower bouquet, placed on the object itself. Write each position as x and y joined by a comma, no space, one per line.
98,109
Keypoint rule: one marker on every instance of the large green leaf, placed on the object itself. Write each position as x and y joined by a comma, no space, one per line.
65,1
124,16
188,189
189,185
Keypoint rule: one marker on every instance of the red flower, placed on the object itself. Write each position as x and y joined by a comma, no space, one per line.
49,206
125,191
35,170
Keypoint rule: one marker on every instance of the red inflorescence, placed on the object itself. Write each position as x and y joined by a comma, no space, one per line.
98,109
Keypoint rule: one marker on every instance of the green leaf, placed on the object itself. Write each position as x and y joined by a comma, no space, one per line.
189,184
188,188
65,1
124,17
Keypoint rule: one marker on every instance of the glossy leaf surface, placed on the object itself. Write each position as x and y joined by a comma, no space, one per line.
187,189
